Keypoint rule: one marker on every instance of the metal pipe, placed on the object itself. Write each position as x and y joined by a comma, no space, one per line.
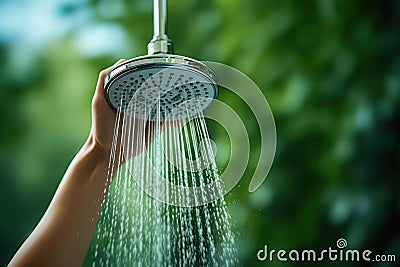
160,42
160,18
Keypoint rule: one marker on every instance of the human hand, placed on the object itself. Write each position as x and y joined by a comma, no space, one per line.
103,123
103,116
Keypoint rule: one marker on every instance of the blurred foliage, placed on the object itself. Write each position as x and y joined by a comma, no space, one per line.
329,69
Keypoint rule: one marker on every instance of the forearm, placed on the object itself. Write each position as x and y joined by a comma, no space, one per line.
64,233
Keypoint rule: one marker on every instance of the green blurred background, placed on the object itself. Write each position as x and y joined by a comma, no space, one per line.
329,69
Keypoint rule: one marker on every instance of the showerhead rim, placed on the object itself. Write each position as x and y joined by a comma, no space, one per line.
159,61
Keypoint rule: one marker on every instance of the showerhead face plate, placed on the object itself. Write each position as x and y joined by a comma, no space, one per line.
161,87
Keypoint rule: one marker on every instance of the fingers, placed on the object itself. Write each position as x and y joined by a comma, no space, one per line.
99,102
172,123
103,74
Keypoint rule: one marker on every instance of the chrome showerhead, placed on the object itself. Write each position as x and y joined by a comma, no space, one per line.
160,86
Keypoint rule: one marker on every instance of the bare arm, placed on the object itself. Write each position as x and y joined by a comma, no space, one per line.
63,235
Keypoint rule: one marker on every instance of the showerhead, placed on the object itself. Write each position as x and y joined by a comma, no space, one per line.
160,86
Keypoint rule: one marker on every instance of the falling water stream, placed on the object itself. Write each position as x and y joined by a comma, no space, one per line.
136,229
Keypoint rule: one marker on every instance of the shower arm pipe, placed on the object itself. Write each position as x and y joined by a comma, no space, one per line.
160,42
160,18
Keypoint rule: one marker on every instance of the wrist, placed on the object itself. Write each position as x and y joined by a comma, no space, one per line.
94,150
